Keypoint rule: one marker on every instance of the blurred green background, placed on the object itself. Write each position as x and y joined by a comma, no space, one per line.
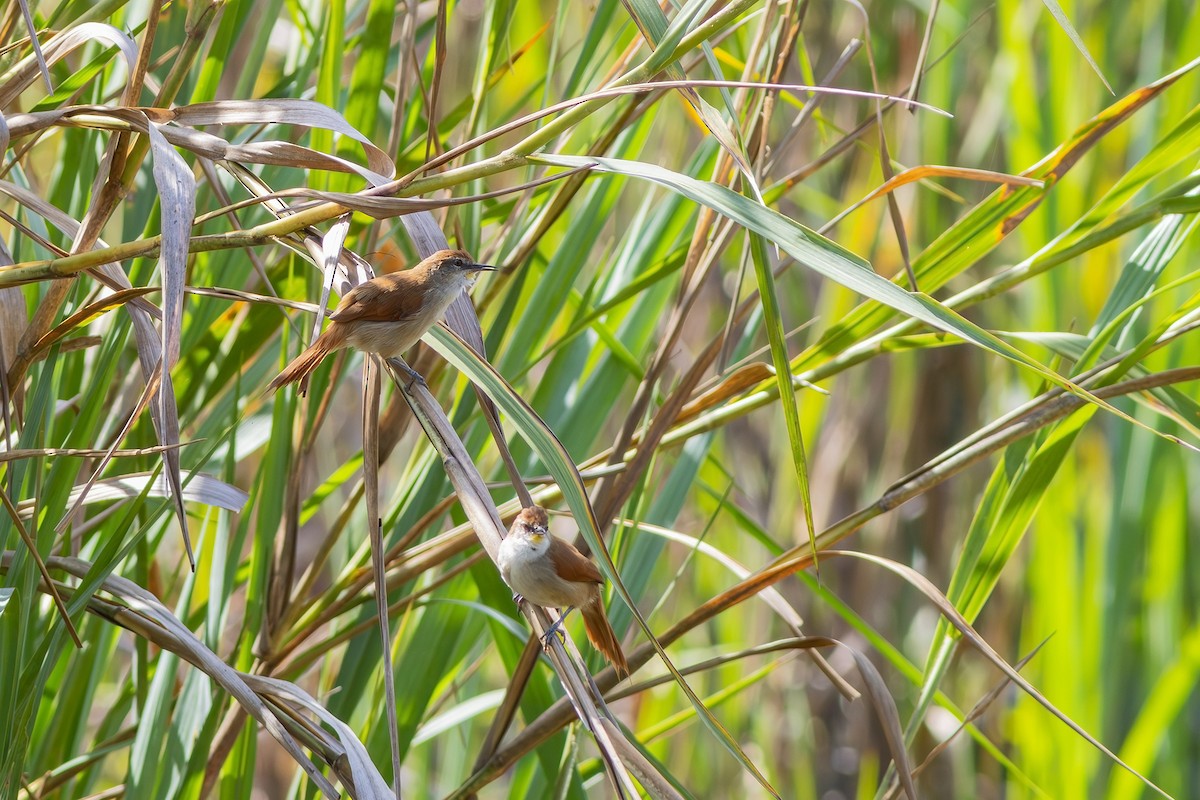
1080,535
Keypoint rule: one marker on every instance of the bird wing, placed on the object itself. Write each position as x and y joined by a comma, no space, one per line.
388,298
573,565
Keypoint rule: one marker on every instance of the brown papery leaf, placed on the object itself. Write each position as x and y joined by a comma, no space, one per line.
202,143
144,614
177,199
925,172
282,111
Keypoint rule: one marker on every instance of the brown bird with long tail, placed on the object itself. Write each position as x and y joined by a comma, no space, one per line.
388,314
551,573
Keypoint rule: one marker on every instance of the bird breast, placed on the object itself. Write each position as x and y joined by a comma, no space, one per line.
527,568
388,339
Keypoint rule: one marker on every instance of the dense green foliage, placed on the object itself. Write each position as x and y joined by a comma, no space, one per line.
995,464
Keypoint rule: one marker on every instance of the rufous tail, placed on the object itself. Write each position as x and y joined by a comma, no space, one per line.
602,636
302,365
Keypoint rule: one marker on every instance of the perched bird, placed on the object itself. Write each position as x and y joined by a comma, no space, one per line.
388,314
550,572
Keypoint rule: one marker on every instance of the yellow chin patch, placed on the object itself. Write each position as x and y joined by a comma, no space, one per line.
537,538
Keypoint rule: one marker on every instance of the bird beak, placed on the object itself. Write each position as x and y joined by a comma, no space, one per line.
482,268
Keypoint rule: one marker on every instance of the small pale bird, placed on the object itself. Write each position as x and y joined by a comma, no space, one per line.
388,314
551,573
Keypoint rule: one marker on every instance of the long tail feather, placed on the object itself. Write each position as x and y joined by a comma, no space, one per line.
302,365
602,636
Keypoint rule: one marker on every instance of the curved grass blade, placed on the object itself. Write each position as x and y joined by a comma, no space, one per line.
777,336
31,545
36,45
950,613
665,38
177,198
21,76
147,616
1063,22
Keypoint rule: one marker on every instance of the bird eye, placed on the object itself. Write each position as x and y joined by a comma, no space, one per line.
458,262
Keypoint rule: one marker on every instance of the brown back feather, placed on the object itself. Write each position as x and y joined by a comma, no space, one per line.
393,297
388,298
573,565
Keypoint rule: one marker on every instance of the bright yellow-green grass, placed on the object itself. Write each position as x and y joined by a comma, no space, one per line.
889,537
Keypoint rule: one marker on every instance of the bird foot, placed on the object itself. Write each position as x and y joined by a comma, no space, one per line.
517,598
553,630
556,628
414,377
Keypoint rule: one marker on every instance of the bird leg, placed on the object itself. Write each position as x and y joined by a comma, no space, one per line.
414,377
557,627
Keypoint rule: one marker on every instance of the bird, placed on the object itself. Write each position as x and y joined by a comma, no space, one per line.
388,314
550,572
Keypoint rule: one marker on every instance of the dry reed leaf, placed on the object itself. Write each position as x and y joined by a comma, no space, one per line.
282,111
144,614
37,47
201,143
925,172
884,706
14,319
21,77
177,198
361,778
331,250
198,488
371,386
